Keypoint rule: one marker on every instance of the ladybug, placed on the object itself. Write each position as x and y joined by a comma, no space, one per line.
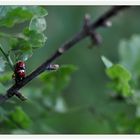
19,71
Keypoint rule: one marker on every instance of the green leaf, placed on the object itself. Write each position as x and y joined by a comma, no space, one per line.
129,51
38,24
37,11
35,39
22,50
60,105
120,77
21,45
5,77
3,114
5,9
13,41
12,15
2,89
2,64
20,118
29,40
118,71
58,80
26,55
106,62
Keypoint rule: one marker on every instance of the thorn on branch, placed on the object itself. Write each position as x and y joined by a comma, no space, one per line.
95,37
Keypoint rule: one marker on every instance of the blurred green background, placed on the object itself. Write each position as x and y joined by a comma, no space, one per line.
85,106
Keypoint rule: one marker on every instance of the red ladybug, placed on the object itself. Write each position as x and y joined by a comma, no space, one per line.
19,71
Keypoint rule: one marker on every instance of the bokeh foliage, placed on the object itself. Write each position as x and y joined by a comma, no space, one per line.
94,91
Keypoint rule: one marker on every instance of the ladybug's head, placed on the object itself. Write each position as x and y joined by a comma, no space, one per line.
20,64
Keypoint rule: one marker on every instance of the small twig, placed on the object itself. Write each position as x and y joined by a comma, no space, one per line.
65,47
20,96
95,37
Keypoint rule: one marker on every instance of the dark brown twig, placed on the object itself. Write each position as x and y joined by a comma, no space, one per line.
65,47
95,37
20,96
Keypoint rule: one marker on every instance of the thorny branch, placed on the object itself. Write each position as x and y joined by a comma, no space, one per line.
88,30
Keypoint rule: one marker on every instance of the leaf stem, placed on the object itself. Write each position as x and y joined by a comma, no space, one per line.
7,58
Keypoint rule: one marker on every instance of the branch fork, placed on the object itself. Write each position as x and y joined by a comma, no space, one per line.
94,36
